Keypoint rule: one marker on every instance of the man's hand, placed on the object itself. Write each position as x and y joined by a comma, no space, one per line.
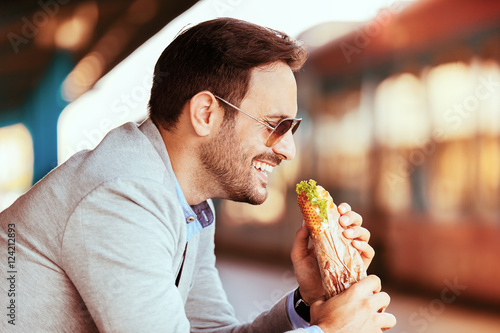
304,261
360,308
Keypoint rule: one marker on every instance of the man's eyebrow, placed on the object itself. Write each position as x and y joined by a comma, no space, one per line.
276,116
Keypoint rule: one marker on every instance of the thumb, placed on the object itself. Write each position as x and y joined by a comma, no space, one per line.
319,302
316,311
300,247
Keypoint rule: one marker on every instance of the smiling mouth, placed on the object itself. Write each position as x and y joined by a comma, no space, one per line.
263,167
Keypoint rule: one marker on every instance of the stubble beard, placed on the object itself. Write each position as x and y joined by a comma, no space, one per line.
225,160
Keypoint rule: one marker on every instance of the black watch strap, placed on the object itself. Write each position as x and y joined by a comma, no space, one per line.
300,306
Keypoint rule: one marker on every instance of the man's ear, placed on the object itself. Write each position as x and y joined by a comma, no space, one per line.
204,112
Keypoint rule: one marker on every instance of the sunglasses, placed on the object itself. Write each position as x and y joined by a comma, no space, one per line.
278,132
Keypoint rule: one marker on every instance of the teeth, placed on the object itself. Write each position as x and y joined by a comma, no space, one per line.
263,166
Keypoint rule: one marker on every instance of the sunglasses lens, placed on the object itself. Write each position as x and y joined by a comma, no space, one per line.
280,131
294,129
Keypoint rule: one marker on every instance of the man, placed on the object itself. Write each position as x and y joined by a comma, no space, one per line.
121,238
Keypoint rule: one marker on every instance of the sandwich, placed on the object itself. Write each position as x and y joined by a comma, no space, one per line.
340,264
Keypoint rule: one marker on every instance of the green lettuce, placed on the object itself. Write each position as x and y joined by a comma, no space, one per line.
312,195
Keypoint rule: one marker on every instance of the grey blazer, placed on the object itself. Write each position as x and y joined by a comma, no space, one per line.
99,241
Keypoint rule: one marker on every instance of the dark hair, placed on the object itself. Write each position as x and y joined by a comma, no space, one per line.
216,55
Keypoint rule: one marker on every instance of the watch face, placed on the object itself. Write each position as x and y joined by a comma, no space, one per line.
301,303
301,306
297,298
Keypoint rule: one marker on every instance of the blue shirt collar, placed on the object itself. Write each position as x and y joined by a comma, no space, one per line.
197,216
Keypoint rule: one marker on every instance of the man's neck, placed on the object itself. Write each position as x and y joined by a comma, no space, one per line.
186,166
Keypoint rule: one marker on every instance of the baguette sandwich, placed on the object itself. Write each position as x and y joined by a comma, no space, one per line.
340,264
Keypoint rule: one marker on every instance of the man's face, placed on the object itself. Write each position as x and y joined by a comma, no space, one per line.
237,157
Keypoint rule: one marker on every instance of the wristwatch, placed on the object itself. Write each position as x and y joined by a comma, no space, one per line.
301,307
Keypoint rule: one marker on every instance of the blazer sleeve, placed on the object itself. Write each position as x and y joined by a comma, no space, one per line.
208,309
119,252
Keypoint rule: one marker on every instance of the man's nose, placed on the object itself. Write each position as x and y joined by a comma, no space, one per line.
286,147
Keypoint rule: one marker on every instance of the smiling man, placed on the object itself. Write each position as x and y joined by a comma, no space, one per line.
121,238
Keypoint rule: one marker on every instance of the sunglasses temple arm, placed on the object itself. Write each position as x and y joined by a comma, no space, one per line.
248,114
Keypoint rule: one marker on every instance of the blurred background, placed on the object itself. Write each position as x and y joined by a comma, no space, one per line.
401,109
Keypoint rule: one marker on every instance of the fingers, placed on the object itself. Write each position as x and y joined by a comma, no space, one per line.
359,308
366,251
383,319
352,222
351,219
367,286
380,301
386,321
358,233
344,208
